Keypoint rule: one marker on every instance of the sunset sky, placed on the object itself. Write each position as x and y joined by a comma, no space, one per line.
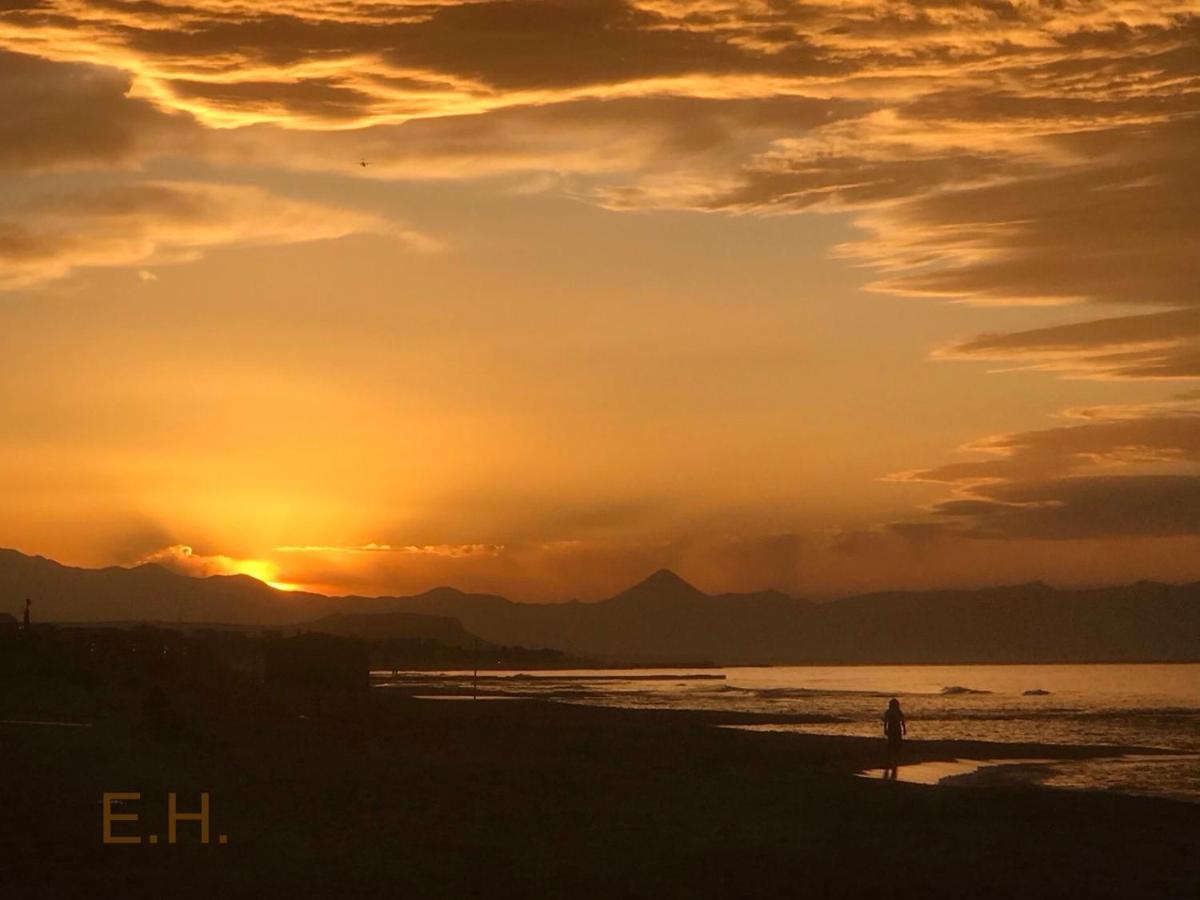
827,296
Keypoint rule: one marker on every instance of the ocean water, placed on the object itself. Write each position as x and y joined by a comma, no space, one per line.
1150,706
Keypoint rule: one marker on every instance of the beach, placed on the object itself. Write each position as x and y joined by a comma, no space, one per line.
1144,705
378,792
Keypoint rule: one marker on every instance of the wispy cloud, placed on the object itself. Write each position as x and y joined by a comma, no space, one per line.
160,223
453,551
1120,471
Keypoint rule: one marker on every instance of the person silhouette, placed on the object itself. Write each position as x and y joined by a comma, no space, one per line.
25,619
894,729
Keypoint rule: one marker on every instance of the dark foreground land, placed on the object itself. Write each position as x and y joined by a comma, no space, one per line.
377,794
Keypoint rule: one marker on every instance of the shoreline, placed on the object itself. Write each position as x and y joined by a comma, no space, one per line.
617,666
960,755
1029,774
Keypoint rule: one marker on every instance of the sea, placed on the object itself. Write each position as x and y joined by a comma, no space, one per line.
1149,706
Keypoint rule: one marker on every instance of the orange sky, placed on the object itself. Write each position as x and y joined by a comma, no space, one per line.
826,297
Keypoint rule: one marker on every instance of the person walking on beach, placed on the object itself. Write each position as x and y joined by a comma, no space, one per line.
894,729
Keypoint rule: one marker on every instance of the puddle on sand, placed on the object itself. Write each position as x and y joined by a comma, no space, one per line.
935,772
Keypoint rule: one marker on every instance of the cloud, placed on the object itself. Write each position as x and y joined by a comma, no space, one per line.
330,65
587,137
454,551
684,96
1126,438
56,116
1061,172
158,223
1124,471
1155,345
1119,230
1082,507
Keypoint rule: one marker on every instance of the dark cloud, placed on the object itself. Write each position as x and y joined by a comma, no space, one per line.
507,45
1091,506
1124,231
1122,472
54,115
1144,439
1155,345
1153,328
319,98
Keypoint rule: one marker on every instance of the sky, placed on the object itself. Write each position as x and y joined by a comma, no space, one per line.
537,297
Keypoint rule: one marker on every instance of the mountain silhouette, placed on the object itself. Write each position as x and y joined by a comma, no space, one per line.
663,587
151,593
1018,623
661,619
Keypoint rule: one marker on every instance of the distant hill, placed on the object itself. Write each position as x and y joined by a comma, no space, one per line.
149,592
152,594
1146,621
662,619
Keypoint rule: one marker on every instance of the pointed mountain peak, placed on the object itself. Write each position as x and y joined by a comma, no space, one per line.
665,578
662,585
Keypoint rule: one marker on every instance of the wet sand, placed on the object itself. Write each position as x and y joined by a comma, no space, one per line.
956,771
383,794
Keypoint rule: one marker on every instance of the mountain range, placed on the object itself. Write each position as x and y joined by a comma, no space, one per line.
662,619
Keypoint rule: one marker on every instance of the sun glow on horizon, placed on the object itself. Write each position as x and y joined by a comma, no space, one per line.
262,570
183,559
285,586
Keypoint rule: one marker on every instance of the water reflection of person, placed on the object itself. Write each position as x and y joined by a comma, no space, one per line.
894,729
